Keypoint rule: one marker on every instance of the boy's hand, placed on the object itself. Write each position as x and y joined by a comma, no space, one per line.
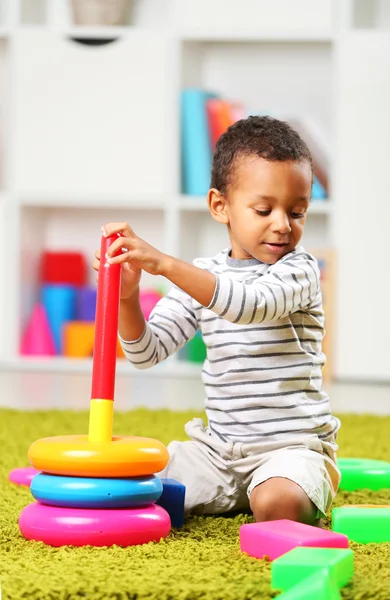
136,254
130,277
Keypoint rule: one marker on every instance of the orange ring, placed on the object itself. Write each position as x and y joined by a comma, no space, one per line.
74,455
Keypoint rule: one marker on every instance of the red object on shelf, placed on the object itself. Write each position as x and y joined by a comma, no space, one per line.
38,339
106,325
63,267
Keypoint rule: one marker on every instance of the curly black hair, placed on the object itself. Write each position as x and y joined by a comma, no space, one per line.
262,136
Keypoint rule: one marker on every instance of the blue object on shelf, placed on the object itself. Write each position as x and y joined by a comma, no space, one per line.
60,304
318,191
86,304
172,499
195,142
95,492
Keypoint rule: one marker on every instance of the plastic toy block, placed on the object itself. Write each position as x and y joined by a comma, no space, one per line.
361,524
316,587
172,499
78,339
59,303
274,538
300,563
63,267
38,338
86,304
363,473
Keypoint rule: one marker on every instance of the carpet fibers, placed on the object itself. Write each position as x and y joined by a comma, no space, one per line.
200,561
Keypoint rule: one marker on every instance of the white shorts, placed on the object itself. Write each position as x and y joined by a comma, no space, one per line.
220,476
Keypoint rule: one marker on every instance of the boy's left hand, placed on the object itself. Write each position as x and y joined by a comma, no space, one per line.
138,253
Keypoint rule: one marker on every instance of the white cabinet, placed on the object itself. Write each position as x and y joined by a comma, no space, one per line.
90,133
86,120
362,206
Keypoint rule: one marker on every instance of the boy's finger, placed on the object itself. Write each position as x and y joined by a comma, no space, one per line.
113,228
121,258
97,254
118,245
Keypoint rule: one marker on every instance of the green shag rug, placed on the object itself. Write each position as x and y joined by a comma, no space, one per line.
200,561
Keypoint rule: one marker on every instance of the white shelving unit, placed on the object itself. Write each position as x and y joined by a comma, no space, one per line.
90,134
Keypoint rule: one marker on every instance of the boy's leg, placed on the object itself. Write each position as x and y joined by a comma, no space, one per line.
292,484
202,465
210,487
280,498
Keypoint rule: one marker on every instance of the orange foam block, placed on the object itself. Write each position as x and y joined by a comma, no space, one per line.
78,339
38,338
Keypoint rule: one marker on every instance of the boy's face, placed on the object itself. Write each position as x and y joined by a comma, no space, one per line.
265,207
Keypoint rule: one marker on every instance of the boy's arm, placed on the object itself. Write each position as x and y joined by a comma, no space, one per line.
171,324
290,285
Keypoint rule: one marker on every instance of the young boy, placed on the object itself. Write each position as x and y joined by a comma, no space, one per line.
270,438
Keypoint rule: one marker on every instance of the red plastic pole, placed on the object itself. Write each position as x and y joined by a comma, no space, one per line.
106,325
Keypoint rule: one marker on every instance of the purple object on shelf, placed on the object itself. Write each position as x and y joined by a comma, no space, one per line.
86,304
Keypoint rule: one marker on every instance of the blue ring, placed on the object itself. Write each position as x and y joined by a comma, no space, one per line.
88,492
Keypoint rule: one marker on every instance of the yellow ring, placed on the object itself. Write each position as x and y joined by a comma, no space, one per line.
74,455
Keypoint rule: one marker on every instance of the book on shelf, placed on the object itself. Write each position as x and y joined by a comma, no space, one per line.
205,116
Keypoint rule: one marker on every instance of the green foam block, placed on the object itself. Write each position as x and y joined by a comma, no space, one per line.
363,473
298,564
319,587
362,525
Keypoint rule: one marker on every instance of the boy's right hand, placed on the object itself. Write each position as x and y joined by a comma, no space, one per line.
130,277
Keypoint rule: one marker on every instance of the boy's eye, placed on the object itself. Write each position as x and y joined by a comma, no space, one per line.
297,215
263,213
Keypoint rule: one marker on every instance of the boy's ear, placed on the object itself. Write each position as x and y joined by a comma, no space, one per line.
217,205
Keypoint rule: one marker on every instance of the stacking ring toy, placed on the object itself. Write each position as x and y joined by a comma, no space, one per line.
55,519
96,527
23,475
84,492
77,455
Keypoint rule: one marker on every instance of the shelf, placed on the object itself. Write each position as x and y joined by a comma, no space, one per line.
172,368
258,36
93,201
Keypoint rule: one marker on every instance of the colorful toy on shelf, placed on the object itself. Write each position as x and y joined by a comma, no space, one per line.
65,267
363,473
148,300
38,339
97,455
363,524
275,538
78,340
86,304
60,304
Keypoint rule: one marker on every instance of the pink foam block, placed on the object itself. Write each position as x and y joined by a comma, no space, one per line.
274,538
38,338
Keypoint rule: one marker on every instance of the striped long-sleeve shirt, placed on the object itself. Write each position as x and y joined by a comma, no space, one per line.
263,330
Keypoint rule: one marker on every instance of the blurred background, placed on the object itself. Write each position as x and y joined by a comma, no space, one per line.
110,110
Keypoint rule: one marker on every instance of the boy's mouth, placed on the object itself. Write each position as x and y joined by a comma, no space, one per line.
275,247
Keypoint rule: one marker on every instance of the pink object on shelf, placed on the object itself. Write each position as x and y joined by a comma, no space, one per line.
274,538
23,475
38,338
148,300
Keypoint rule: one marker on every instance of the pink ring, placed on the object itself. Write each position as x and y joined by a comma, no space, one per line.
95,527
23,476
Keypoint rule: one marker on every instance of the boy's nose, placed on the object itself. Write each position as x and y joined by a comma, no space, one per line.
281,224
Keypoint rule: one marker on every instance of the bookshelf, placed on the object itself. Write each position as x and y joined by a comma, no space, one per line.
91,133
